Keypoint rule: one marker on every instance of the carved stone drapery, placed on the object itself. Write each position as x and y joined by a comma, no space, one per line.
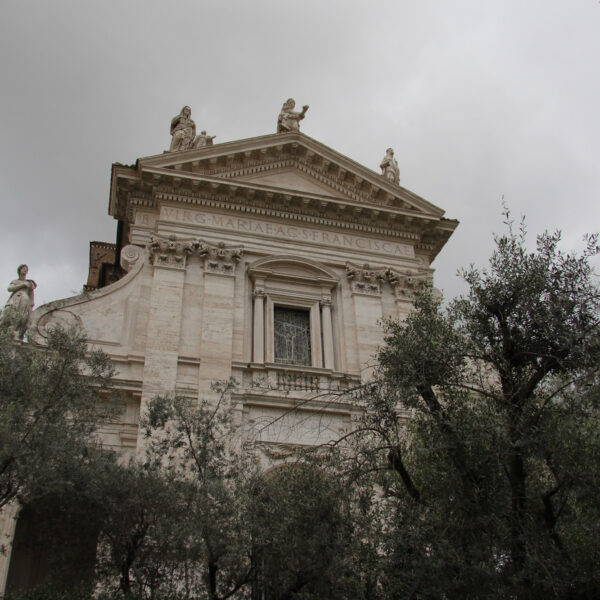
365,280
172,253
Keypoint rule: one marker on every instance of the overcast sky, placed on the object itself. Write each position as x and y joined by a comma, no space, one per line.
479,100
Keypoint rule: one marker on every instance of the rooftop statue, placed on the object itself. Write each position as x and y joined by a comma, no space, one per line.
389,167
203,140
19,305
289,119
183,130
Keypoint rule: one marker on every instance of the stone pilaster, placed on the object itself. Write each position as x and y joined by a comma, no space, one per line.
315,336
258,337
216,345
168,257
328,354
366,286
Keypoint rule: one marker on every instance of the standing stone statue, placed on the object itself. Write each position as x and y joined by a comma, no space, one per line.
289,120
203,140
19,305
183,130
389,167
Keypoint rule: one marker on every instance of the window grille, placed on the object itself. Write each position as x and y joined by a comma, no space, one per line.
292,336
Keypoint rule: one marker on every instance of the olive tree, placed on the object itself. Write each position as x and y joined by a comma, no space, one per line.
51,401
493,480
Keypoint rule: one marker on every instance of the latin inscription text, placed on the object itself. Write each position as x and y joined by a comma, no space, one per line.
288,232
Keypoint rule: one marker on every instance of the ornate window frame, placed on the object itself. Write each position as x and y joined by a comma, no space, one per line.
292,282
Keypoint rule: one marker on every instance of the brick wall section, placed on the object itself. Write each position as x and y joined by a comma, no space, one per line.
102,258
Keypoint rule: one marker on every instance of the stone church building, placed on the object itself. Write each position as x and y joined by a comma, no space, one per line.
271,260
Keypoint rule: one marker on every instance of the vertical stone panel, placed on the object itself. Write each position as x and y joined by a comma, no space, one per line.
216,345
368,314
164,325
191,318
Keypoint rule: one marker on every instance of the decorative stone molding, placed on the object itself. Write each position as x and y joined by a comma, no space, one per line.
304,208
294,381
170,252
406,284
365,280
130,256
64,319
221,259
276,450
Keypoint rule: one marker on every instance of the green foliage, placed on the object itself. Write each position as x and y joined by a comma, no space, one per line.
491,484
302,533
47,592
139,545
49,406
197,445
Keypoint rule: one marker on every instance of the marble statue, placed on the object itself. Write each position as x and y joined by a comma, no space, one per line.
19,305
183,130
289,119
203,140
389,167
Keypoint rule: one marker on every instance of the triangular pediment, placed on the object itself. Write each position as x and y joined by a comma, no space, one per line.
290,179
286,175
292,163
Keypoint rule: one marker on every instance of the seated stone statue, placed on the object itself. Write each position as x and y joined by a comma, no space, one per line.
289,119
19,305
389,167
183,130
203,140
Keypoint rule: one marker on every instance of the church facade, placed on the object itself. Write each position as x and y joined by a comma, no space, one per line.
270,260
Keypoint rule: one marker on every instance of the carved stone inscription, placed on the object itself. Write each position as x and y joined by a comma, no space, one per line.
287,232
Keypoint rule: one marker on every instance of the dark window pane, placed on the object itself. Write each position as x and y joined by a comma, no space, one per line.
292,336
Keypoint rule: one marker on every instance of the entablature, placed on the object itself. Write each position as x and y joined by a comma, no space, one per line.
354,197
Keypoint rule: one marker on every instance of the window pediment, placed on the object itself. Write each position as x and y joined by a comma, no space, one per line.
292,269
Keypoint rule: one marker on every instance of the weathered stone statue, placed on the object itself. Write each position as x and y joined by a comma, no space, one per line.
19,305
389,167
183,130
203,140
289,119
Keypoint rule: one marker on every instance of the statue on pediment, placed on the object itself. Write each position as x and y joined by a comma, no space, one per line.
203,140
289,119
183,130
19,305
389,167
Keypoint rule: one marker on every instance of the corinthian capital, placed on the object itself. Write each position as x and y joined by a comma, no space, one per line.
220,258
170,252
406,284
364,279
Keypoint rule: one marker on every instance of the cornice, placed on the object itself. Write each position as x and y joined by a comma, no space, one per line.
251,152
360,200
185,183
